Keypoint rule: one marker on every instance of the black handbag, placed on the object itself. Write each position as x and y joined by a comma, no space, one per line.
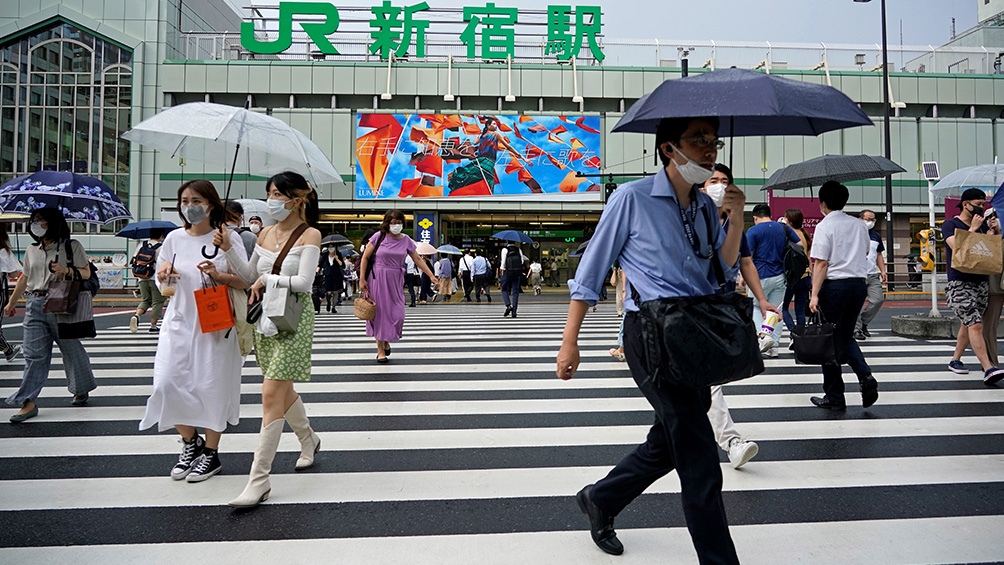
813,341
700,341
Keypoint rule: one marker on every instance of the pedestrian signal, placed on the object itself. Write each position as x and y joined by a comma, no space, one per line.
927,242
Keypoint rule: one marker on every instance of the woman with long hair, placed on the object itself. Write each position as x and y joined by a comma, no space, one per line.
9,265
196,375
284,357
44,261
799,292
381,275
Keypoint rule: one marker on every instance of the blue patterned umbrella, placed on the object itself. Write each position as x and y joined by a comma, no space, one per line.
80,198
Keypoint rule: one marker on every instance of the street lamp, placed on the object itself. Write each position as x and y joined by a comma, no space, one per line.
891,268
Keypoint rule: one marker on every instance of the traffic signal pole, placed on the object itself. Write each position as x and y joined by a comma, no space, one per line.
934,251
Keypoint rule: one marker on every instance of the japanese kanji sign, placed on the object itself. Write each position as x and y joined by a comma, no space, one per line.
489,31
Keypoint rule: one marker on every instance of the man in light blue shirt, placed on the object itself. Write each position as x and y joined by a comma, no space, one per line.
657,228
479,272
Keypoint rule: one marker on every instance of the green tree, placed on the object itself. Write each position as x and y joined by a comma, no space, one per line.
565,43
498,38
390,33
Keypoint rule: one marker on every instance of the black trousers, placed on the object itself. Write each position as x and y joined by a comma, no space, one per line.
680,439
468,284
481,286
840,301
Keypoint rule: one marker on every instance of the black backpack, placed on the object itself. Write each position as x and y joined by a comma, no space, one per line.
143,266
795,260
513,259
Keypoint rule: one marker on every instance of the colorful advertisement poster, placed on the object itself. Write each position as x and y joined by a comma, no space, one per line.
456,155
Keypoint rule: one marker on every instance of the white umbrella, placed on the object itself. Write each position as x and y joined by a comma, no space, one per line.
210,133
258,208
987,178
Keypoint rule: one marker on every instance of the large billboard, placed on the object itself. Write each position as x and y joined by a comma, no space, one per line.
454,155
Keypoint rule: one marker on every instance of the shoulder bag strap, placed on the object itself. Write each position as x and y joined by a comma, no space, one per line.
293,237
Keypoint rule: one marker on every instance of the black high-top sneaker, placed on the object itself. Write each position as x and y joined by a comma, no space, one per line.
189,453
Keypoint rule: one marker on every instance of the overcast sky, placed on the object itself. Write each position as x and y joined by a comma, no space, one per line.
924,22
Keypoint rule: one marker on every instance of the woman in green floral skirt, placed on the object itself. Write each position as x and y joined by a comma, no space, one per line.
284,357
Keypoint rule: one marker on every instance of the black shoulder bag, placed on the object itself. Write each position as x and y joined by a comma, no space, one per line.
699,341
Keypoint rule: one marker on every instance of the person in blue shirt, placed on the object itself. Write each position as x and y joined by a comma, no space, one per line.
768,240
657,228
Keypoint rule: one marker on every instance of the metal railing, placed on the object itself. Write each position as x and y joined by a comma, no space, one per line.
709,54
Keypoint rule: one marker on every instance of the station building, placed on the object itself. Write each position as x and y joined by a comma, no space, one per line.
76,74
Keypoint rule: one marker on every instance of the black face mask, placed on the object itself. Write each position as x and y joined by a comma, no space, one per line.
977,210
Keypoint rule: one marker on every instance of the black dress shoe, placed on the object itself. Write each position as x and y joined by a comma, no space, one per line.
824,402
864,330
80,399
508,311
869,391
601,526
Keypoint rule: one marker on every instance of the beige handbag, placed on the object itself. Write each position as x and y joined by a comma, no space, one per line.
364,308
978,253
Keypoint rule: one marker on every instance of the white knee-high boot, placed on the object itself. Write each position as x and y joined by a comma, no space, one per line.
310,442
258,487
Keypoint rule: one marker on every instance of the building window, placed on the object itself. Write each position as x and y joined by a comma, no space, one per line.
65,100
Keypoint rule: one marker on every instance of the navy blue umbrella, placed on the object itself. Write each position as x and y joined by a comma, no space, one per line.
512,235
748,103
141,230
79,197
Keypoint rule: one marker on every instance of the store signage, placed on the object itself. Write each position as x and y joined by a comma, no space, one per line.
568,235
489,31
425,228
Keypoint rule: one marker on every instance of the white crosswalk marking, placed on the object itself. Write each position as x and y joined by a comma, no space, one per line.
466,448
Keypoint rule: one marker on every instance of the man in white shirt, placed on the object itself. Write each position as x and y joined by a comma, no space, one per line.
876,278
840,250
412,277
510,274
466,278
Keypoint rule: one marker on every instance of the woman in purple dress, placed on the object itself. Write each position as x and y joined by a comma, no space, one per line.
384,284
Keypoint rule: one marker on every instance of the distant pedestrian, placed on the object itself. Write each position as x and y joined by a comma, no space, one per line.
876,278
44,261
445,276
553,276
536,276
144,268
767,242
480,268
798,293
334,278
466,278
412,278
425,290
254,225
617,281
385,257
235,222
9,266
511,275
840,251
196,375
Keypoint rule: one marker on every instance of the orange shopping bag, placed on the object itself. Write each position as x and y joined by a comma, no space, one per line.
215,310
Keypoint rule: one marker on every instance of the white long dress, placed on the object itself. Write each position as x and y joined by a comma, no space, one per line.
196,376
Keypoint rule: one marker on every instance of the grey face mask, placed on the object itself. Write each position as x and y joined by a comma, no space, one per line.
194,214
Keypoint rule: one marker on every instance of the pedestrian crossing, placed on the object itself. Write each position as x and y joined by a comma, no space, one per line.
467,449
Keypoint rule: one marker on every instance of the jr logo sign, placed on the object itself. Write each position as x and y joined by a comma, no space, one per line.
284,39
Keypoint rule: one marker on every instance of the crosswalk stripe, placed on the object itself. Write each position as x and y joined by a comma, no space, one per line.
486,386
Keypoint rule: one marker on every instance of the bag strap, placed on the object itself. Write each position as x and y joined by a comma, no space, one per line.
376,247
293,237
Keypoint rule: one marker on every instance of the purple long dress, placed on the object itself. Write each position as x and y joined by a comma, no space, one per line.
386,284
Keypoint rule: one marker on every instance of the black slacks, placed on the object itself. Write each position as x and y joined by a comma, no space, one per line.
680,439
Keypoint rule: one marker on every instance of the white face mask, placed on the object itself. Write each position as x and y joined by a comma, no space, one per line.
870,224
36,229
396,229
717,193
277,209
691,171
194,214
255,228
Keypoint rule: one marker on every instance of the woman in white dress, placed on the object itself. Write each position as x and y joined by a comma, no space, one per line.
196,376
284,357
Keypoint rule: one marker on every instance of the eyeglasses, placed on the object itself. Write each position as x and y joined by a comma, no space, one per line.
705,143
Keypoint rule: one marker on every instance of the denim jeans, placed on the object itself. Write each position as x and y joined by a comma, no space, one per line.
510,289
773,290
799,294
840,301
40,332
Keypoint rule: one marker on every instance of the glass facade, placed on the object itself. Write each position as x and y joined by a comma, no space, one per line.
65,100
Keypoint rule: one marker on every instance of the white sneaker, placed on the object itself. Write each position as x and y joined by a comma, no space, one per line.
134,324
771,353
741,451
766,342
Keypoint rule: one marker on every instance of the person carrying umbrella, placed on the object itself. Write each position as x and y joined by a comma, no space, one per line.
511,275
44,262
658,228
144,267
9,265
